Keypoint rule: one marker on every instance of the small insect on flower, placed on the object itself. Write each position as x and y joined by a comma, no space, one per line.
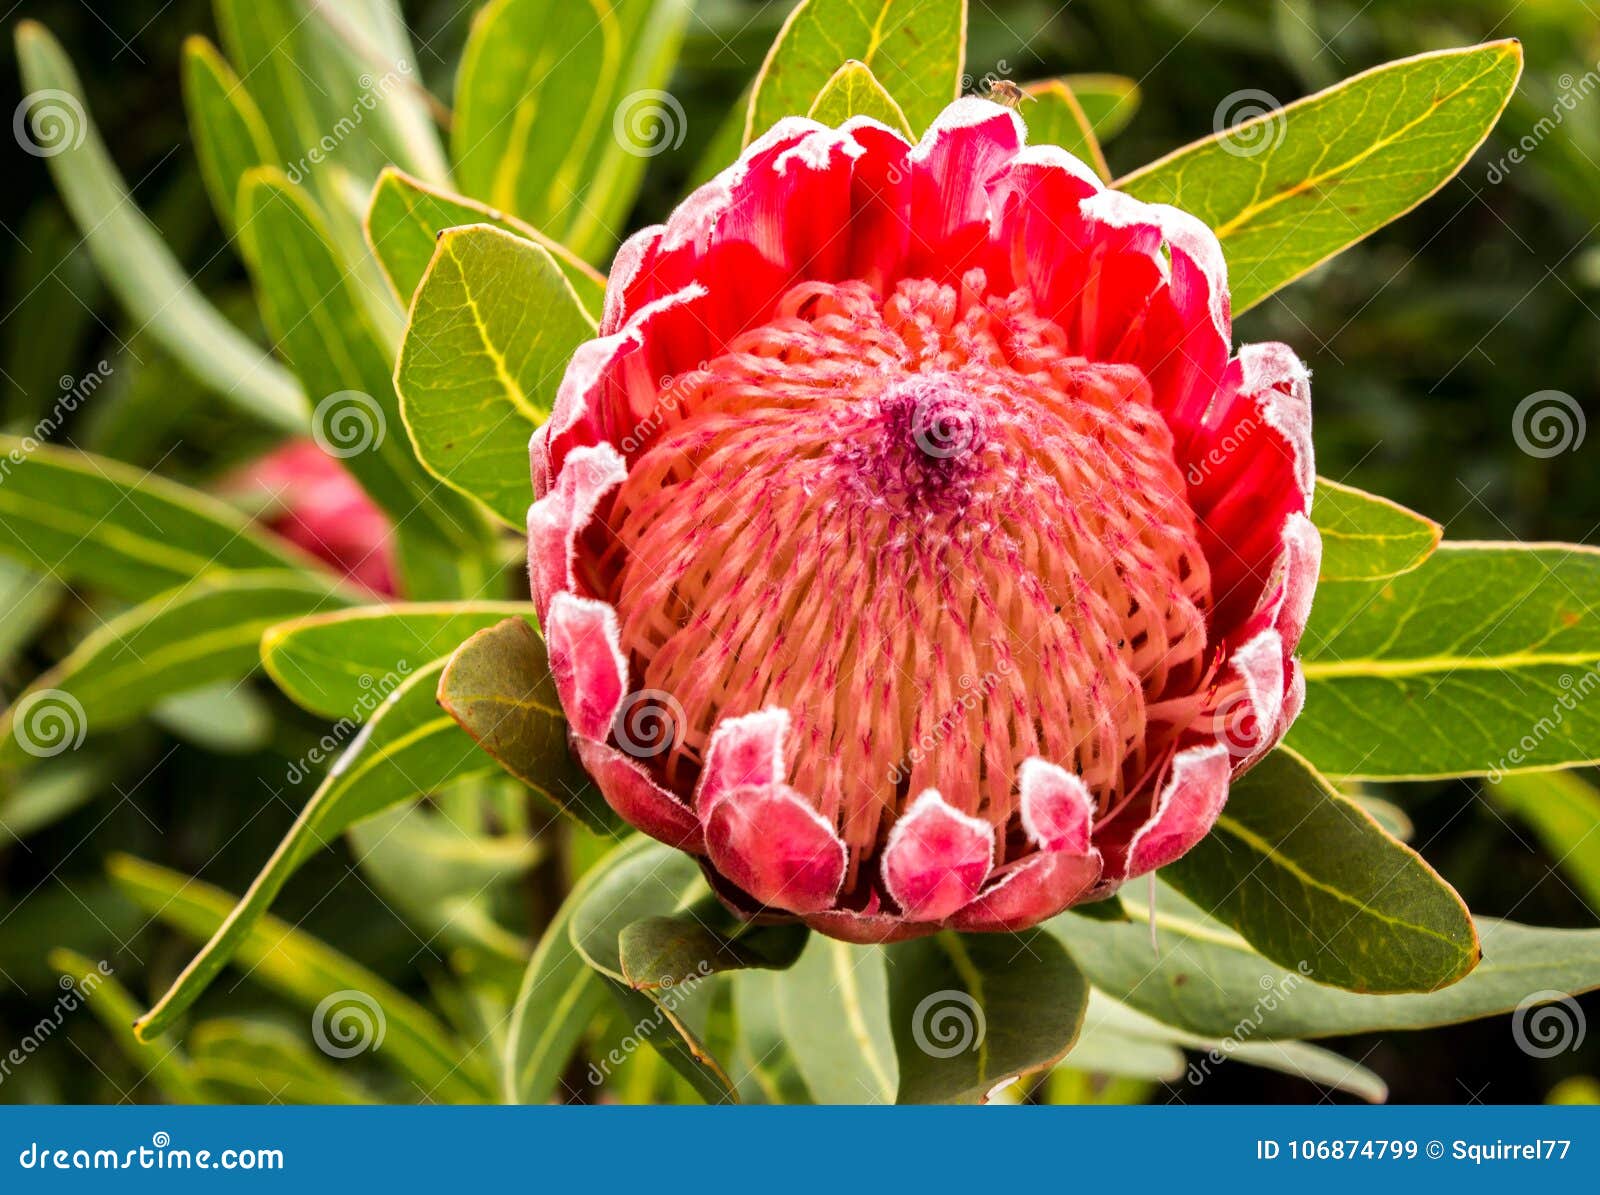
1004,91
967,560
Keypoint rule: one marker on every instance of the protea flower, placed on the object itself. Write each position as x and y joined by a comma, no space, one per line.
304,495
908,546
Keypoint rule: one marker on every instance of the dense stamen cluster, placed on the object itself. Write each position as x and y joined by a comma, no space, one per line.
871,507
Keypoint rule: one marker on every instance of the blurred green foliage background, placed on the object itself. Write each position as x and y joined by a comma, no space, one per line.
1422,340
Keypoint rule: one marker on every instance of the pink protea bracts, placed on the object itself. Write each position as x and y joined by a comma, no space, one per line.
908,546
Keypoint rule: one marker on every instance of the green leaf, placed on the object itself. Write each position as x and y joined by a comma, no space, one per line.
1200,976
86,518
913,47
200,634
658,952
763,1064
300,968
138,267
1054,117
376,37
493,326
525,115
559,999
1291,188
971,1011
52,790
330,663
226,717
1313,882
498,687
408,749
855,91
644,879
324,330
163,1063
258,1062
407,215
648,117
1477,662
833,1005
230,135
1564,813
1368,538
1109,101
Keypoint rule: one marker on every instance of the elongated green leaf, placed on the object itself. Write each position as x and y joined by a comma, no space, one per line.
762,1063
645,121
258,1062
87,518
1292,187
374,33
406,216
646,879
498,687
971,1011
330,663
833,1005
136,264
1054,117
493,326
1200,976
307,971
1312,882
407,750
323,329
224,717
1368,538
524,114
163,1063
1477,662
1109,101
198,635
913,47
559,998
658,952
29,600
855,91
1564,812
230,135
52,790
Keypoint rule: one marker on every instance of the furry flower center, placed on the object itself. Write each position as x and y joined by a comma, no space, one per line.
938,539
